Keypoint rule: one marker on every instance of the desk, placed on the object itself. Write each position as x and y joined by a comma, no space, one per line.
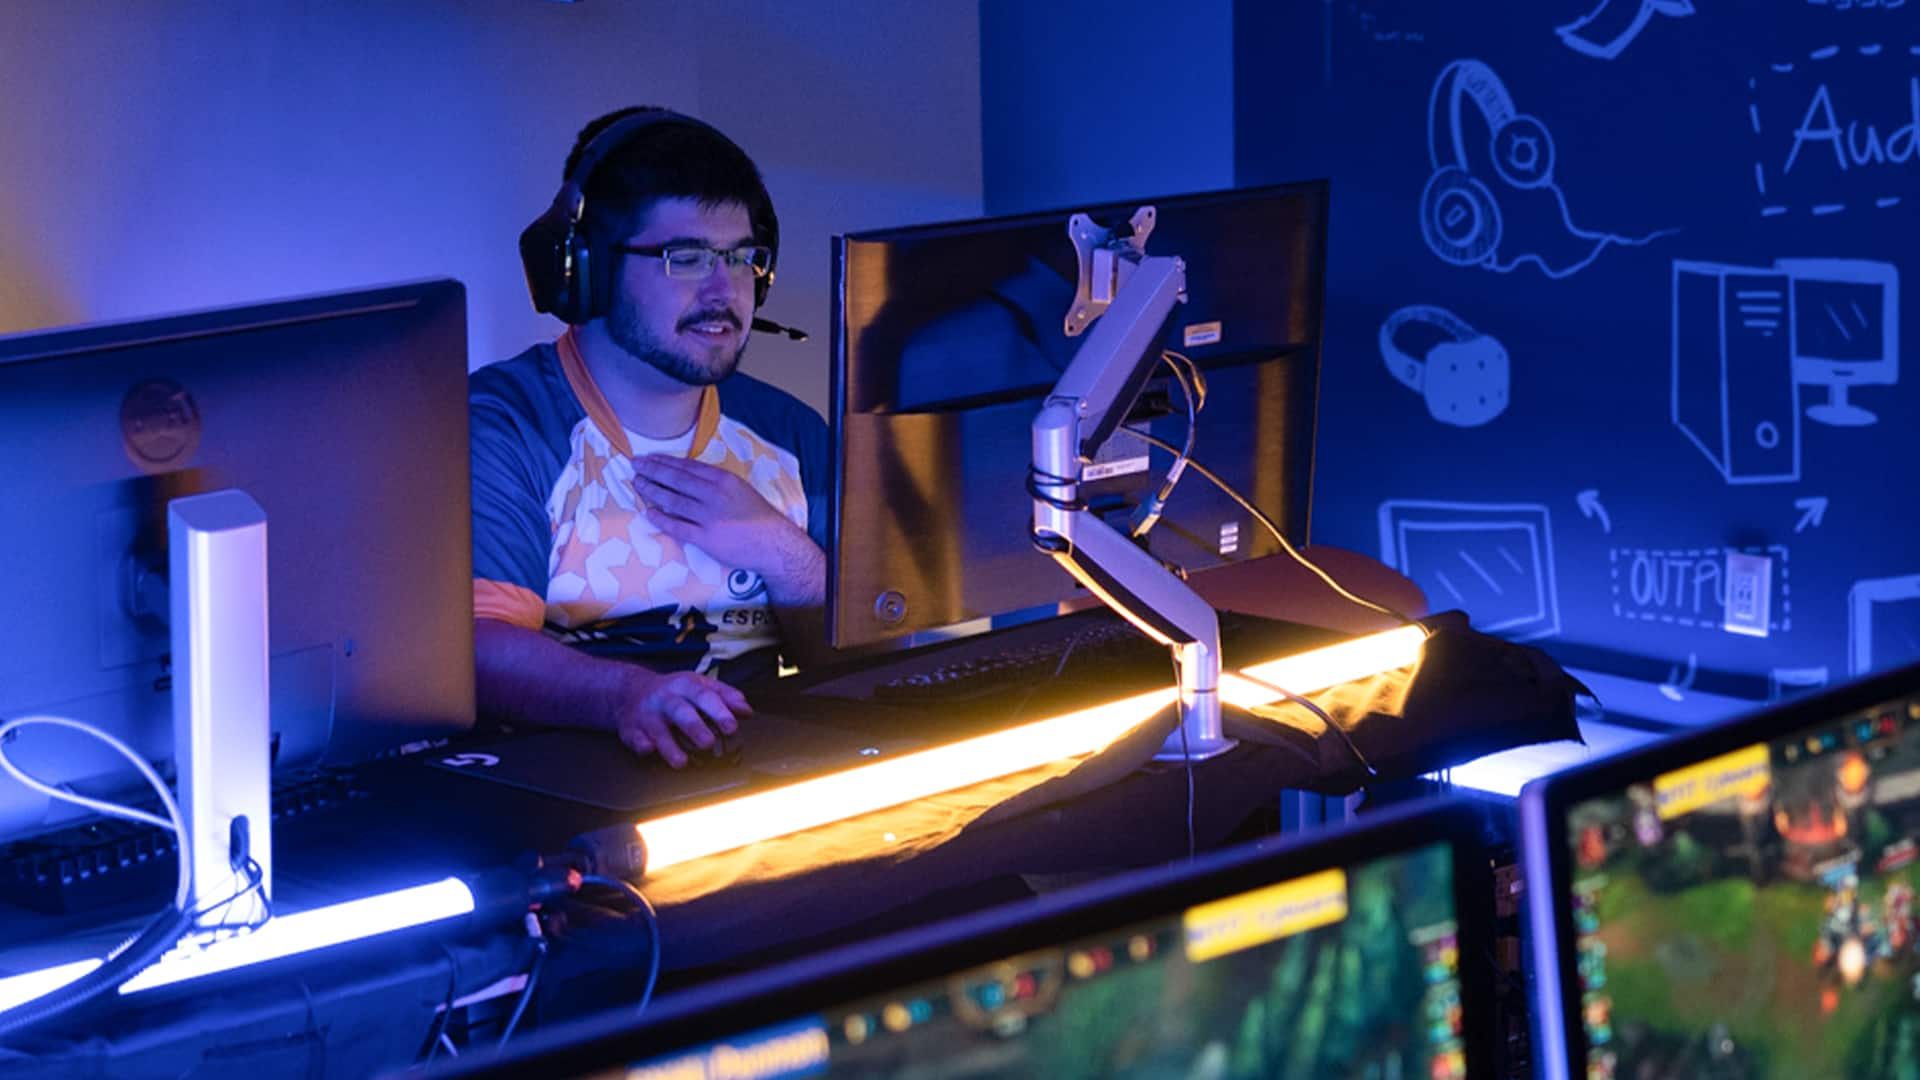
416,823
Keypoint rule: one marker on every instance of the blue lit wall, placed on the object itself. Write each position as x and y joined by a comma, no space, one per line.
1086,101
1619,269
159,157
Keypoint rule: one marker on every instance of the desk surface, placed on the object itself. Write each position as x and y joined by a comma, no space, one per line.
417,823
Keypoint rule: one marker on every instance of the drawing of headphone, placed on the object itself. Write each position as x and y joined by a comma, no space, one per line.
1464,380
1459,215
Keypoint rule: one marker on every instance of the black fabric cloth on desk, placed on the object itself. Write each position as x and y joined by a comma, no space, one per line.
368,1009
1470,695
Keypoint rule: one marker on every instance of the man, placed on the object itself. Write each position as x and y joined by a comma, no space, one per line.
647,521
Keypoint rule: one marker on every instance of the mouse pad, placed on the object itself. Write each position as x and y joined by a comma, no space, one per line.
594,768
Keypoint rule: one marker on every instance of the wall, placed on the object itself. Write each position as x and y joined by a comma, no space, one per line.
171,155
1093,101
1607,379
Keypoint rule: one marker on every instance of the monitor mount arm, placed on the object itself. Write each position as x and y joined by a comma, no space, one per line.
1134,292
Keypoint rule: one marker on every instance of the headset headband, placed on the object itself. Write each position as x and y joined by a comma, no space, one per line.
1461,79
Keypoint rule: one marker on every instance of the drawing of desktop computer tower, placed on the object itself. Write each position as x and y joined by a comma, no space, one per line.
1746,338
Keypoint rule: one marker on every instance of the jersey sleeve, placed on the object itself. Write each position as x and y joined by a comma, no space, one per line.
512,472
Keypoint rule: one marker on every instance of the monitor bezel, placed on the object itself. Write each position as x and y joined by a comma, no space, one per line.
1554,991
808,985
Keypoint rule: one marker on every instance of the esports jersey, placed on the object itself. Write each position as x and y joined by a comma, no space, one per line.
561,542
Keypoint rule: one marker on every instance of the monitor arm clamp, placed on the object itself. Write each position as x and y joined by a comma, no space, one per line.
1130,294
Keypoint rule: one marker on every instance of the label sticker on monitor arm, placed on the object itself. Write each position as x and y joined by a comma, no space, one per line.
1205,333
1120,455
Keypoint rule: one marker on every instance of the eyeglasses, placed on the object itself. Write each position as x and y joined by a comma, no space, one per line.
693,262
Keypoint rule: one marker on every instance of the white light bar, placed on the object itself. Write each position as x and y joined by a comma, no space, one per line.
719,827
283,936
20,989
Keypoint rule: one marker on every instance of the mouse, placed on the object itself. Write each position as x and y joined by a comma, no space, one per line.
724,753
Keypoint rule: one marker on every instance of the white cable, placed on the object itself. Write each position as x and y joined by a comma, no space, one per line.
173,820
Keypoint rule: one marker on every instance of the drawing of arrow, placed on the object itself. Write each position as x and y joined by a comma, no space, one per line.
1812,510
1589,501
1609,28
1675,687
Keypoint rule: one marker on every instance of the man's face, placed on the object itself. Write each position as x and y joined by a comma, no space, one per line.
692,329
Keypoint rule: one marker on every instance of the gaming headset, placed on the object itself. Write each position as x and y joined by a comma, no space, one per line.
1458,213
569,267
1463,380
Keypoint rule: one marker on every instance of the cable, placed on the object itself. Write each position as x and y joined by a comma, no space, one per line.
153,940
1316,710
173,820
1147,514
533,977
1186,754
1266,521
437,1032
653,929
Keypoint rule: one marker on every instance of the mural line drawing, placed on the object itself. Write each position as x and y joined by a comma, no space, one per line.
1462,220
1687,587
1464,380
1829,128
1862,5
1589,501
1883,626
1783,683
1492,560
1607,30
1812,510
1677,684
1746,338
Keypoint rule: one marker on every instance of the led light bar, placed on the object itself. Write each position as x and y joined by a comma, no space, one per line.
707,830
282,936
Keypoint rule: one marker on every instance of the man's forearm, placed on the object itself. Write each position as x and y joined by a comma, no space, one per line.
798,594
523,675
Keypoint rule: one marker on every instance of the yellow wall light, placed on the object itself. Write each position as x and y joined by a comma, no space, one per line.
634,850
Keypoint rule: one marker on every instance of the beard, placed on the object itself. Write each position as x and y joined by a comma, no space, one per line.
692,366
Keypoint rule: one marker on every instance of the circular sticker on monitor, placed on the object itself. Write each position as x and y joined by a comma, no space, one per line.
159,425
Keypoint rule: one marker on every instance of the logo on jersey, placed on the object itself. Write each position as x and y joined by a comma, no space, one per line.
744,584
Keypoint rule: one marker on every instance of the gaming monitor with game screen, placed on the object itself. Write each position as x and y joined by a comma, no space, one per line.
1358,953
344,418
947,339
1739,903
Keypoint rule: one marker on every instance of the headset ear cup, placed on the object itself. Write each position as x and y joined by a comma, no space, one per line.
1523,153
543,257
1458,216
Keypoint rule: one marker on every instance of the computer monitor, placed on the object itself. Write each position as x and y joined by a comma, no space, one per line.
948,337
1738,903
344,418
1846,330
1358,953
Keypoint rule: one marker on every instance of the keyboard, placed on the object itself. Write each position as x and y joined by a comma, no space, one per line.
106,861
968,676
1066,658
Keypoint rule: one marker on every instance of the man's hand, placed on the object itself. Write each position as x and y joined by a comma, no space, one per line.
695,705
721,514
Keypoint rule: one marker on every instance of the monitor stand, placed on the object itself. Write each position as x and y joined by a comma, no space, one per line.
217,585
1838,411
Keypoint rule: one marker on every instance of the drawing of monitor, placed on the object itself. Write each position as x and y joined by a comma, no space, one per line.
1493,561
946,338
1363,952
344,418
1883,625
1736,903
1846,331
